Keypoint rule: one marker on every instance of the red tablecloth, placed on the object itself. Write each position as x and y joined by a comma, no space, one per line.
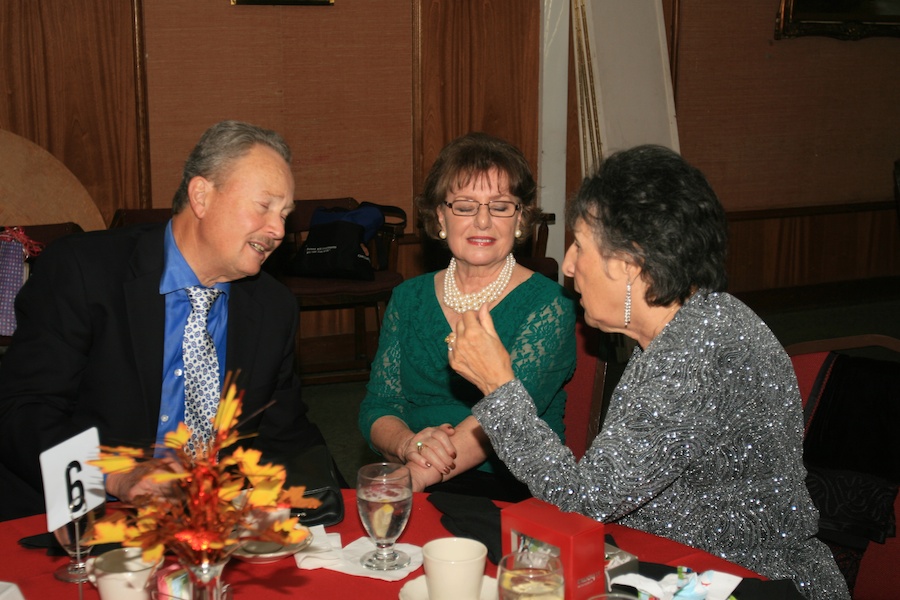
32,570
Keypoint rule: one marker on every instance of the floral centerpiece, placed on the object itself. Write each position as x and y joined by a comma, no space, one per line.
214,505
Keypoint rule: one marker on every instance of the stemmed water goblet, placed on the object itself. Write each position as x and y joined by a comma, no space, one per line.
74,537
384,501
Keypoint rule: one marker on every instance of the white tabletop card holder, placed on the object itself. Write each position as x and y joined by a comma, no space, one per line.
72,487
10,591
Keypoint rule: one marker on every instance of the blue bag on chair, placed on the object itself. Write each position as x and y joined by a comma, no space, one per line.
367,215
335,245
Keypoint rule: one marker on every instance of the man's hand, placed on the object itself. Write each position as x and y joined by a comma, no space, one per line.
128,486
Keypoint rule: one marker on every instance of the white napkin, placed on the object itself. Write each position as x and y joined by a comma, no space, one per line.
709,585
10,591
325,552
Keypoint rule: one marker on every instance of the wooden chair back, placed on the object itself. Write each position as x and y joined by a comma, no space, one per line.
601,360
533,254
133,216
322,294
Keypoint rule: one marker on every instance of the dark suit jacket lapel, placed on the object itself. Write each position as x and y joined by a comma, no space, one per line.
243,327
146,310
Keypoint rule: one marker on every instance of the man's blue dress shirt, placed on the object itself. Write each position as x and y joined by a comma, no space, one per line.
178,275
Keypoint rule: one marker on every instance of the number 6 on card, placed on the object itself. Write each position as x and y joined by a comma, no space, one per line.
72,487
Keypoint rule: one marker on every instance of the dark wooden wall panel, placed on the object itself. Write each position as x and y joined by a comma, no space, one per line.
777,252
67,84
480,68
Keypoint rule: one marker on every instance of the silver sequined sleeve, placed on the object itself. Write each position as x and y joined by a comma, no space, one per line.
702,444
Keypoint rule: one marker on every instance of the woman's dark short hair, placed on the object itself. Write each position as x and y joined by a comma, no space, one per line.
218,147
471,156
647,204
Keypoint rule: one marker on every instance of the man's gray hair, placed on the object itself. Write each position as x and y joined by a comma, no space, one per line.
218,147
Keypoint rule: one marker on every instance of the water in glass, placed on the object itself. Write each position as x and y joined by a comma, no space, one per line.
384,501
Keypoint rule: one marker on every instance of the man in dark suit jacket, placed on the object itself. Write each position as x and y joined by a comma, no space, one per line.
93,321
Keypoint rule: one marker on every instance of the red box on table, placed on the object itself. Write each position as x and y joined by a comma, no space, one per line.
576,539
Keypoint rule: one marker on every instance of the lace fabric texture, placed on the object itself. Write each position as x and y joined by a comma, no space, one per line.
412,380
702,444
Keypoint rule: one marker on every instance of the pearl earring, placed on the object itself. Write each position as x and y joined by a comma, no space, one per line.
442,234
518,233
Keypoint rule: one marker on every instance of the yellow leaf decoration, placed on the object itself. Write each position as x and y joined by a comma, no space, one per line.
153,554
211,501
229,409
177,439
112,463
109,532
165,477
293,497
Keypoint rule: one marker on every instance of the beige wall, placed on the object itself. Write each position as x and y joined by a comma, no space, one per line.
774,124
798,122
336,81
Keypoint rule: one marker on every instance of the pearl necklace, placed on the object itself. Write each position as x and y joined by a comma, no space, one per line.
460,302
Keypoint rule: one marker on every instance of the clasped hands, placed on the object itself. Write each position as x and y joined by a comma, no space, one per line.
475,352
430,455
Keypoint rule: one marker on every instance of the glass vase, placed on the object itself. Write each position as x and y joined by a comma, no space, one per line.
206,581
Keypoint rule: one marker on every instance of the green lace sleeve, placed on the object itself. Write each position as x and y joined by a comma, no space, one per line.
543,352
384,393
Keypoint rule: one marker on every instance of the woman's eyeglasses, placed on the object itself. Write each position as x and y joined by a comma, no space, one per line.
470,208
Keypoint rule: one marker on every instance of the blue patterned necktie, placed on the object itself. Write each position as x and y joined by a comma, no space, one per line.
201,371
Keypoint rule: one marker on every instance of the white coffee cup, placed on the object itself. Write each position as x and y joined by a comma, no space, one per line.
121,574
454,568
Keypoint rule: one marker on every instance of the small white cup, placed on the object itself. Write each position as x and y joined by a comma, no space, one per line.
454,568
121,574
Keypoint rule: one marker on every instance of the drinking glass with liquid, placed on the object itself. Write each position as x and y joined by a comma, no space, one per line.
384,501
530,576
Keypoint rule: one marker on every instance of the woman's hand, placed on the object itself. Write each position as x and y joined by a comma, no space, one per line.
422,477
476,352
432,448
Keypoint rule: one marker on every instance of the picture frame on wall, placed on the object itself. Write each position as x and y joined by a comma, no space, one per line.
841,19
285,2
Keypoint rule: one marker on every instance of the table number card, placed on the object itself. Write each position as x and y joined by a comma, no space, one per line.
69,481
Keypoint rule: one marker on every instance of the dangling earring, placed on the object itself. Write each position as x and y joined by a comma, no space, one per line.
518,233
442,234
627,303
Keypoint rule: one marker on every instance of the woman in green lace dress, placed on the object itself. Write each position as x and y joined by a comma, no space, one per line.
479,198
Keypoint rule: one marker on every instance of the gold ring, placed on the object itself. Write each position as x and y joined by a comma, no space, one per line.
450,338
419,447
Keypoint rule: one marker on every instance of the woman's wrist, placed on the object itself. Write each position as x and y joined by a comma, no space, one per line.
404,449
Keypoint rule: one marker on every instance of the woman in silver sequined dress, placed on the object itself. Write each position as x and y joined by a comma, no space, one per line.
702,441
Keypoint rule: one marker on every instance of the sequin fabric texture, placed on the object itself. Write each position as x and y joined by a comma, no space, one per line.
702,444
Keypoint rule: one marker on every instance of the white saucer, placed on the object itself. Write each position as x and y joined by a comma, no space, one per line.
262,553
417,590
